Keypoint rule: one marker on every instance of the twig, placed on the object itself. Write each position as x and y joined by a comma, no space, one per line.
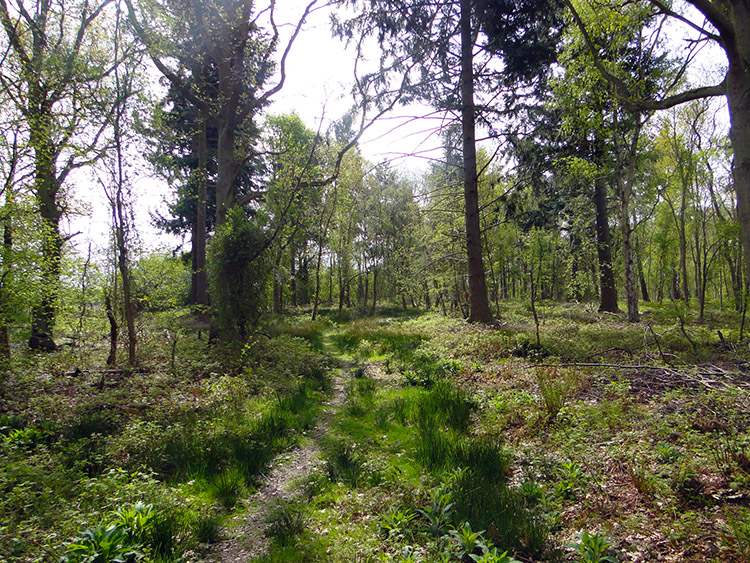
658,346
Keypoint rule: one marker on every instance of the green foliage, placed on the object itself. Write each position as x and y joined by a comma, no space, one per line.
160,282
553,389
119,542
228,487
439,514
396,523
511,515
467,543
284,521
239,270
344,463
112,544
445,405
207,528
288,357
594,548
739,531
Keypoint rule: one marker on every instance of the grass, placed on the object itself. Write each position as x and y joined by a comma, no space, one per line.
449,434
190,444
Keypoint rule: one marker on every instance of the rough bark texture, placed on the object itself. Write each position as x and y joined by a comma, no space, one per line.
113,330
738,96
607,285
479,308
200,275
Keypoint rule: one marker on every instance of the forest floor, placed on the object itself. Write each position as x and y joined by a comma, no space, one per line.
281,483
401,437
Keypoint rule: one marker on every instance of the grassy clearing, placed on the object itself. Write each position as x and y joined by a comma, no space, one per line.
458,441
454,443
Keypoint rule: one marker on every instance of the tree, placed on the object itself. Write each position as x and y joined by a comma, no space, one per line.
55,77
724,23
432,47
116,186
240,58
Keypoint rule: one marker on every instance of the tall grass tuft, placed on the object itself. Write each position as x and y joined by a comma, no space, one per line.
511,518
285,521
344,463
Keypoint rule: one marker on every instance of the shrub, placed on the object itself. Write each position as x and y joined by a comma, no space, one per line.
238,274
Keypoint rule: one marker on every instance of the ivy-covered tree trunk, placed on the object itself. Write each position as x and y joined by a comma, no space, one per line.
46,187
479,307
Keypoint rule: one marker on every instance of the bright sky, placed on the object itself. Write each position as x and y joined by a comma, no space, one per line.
319,79
320,75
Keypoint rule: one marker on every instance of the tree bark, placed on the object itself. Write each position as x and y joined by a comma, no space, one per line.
625,179
738,96
113,330
46,186
607,284
200,274
479,308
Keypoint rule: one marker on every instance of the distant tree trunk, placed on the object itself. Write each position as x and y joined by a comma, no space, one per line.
200,274
113,330
6,268
318,263
293,279
641,277
342,289
374,289
479,311
626,178
607,285
330,279
278,287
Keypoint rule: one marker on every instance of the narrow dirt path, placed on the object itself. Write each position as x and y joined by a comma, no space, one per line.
280,482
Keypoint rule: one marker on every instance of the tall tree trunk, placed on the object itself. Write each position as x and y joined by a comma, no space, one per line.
43,314
374,289
626,178
6,268
641,277
738,94
607,284
479,311
200,275
278,287
113,329
318,263
293,278
684,285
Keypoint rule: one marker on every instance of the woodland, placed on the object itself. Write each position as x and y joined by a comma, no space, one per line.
535,348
